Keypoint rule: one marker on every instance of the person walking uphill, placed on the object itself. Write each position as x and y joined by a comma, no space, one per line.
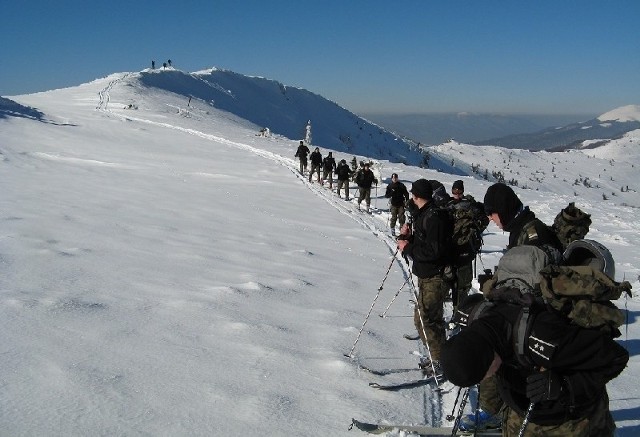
428,245
365,178
398,196
344,174
302,153
316,163
328,167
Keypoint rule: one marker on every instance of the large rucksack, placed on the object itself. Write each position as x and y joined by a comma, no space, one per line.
469,222
571,224
581,293
440,197
445,238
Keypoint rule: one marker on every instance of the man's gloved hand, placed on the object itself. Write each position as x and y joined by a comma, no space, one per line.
544,386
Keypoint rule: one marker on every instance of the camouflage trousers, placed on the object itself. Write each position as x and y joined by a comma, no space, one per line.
315,168
365,194
489,397
429,313
328,175
397,213
303,165
598,424
345,184
464,277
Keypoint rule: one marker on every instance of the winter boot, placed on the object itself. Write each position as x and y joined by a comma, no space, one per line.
485,421
428,368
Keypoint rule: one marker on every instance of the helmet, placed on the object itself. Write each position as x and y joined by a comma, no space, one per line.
590,253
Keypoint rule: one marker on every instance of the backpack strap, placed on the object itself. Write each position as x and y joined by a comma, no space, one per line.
464,317
530,231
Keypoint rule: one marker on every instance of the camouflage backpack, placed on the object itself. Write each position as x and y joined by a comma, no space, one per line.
583,288
571,224
582,293
469,222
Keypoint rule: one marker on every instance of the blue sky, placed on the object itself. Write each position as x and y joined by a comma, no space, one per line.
408,56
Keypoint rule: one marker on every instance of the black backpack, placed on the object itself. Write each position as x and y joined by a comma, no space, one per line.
581,294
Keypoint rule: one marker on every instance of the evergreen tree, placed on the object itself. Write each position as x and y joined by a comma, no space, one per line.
307,133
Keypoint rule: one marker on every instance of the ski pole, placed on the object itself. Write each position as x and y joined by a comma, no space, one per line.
375,204
525,422
450,417
350,354
463,403
383,315
476,418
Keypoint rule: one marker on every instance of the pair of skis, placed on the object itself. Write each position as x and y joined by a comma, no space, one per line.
423,430
419,382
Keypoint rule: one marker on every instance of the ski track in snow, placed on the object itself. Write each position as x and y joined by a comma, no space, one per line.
376,222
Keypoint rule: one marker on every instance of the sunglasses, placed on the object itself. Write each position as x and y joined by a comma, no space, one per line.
457,192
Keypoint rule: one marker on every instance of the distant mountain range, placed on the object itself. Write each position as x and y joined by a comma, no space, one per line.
468,127
609,126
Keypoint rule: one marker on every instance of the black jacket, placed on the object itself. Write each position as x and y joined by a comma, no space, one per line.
329,163
343,171
430,245
365,178
302,152
316,158
586,359
397,192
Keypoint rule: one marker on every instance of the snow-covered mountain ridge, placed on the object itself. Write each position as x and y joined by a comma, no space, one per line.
166,271
622,114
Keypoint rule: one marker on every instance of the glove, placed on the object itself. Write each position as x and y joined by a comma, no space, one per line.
544,386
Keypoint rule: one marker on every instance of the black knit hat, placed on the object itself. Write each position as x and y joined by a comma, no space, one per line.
466,357
501,199
458,185
422,189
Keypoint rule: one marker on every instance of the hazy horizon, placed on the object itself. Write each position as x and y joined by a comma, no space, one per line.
434,128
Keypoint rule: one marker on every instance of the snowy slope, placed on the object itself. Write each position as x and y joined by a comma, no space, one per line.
165,271
624,113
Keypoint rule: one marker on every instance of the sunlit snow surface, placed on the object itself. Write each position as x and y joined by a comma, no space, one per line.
166,271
